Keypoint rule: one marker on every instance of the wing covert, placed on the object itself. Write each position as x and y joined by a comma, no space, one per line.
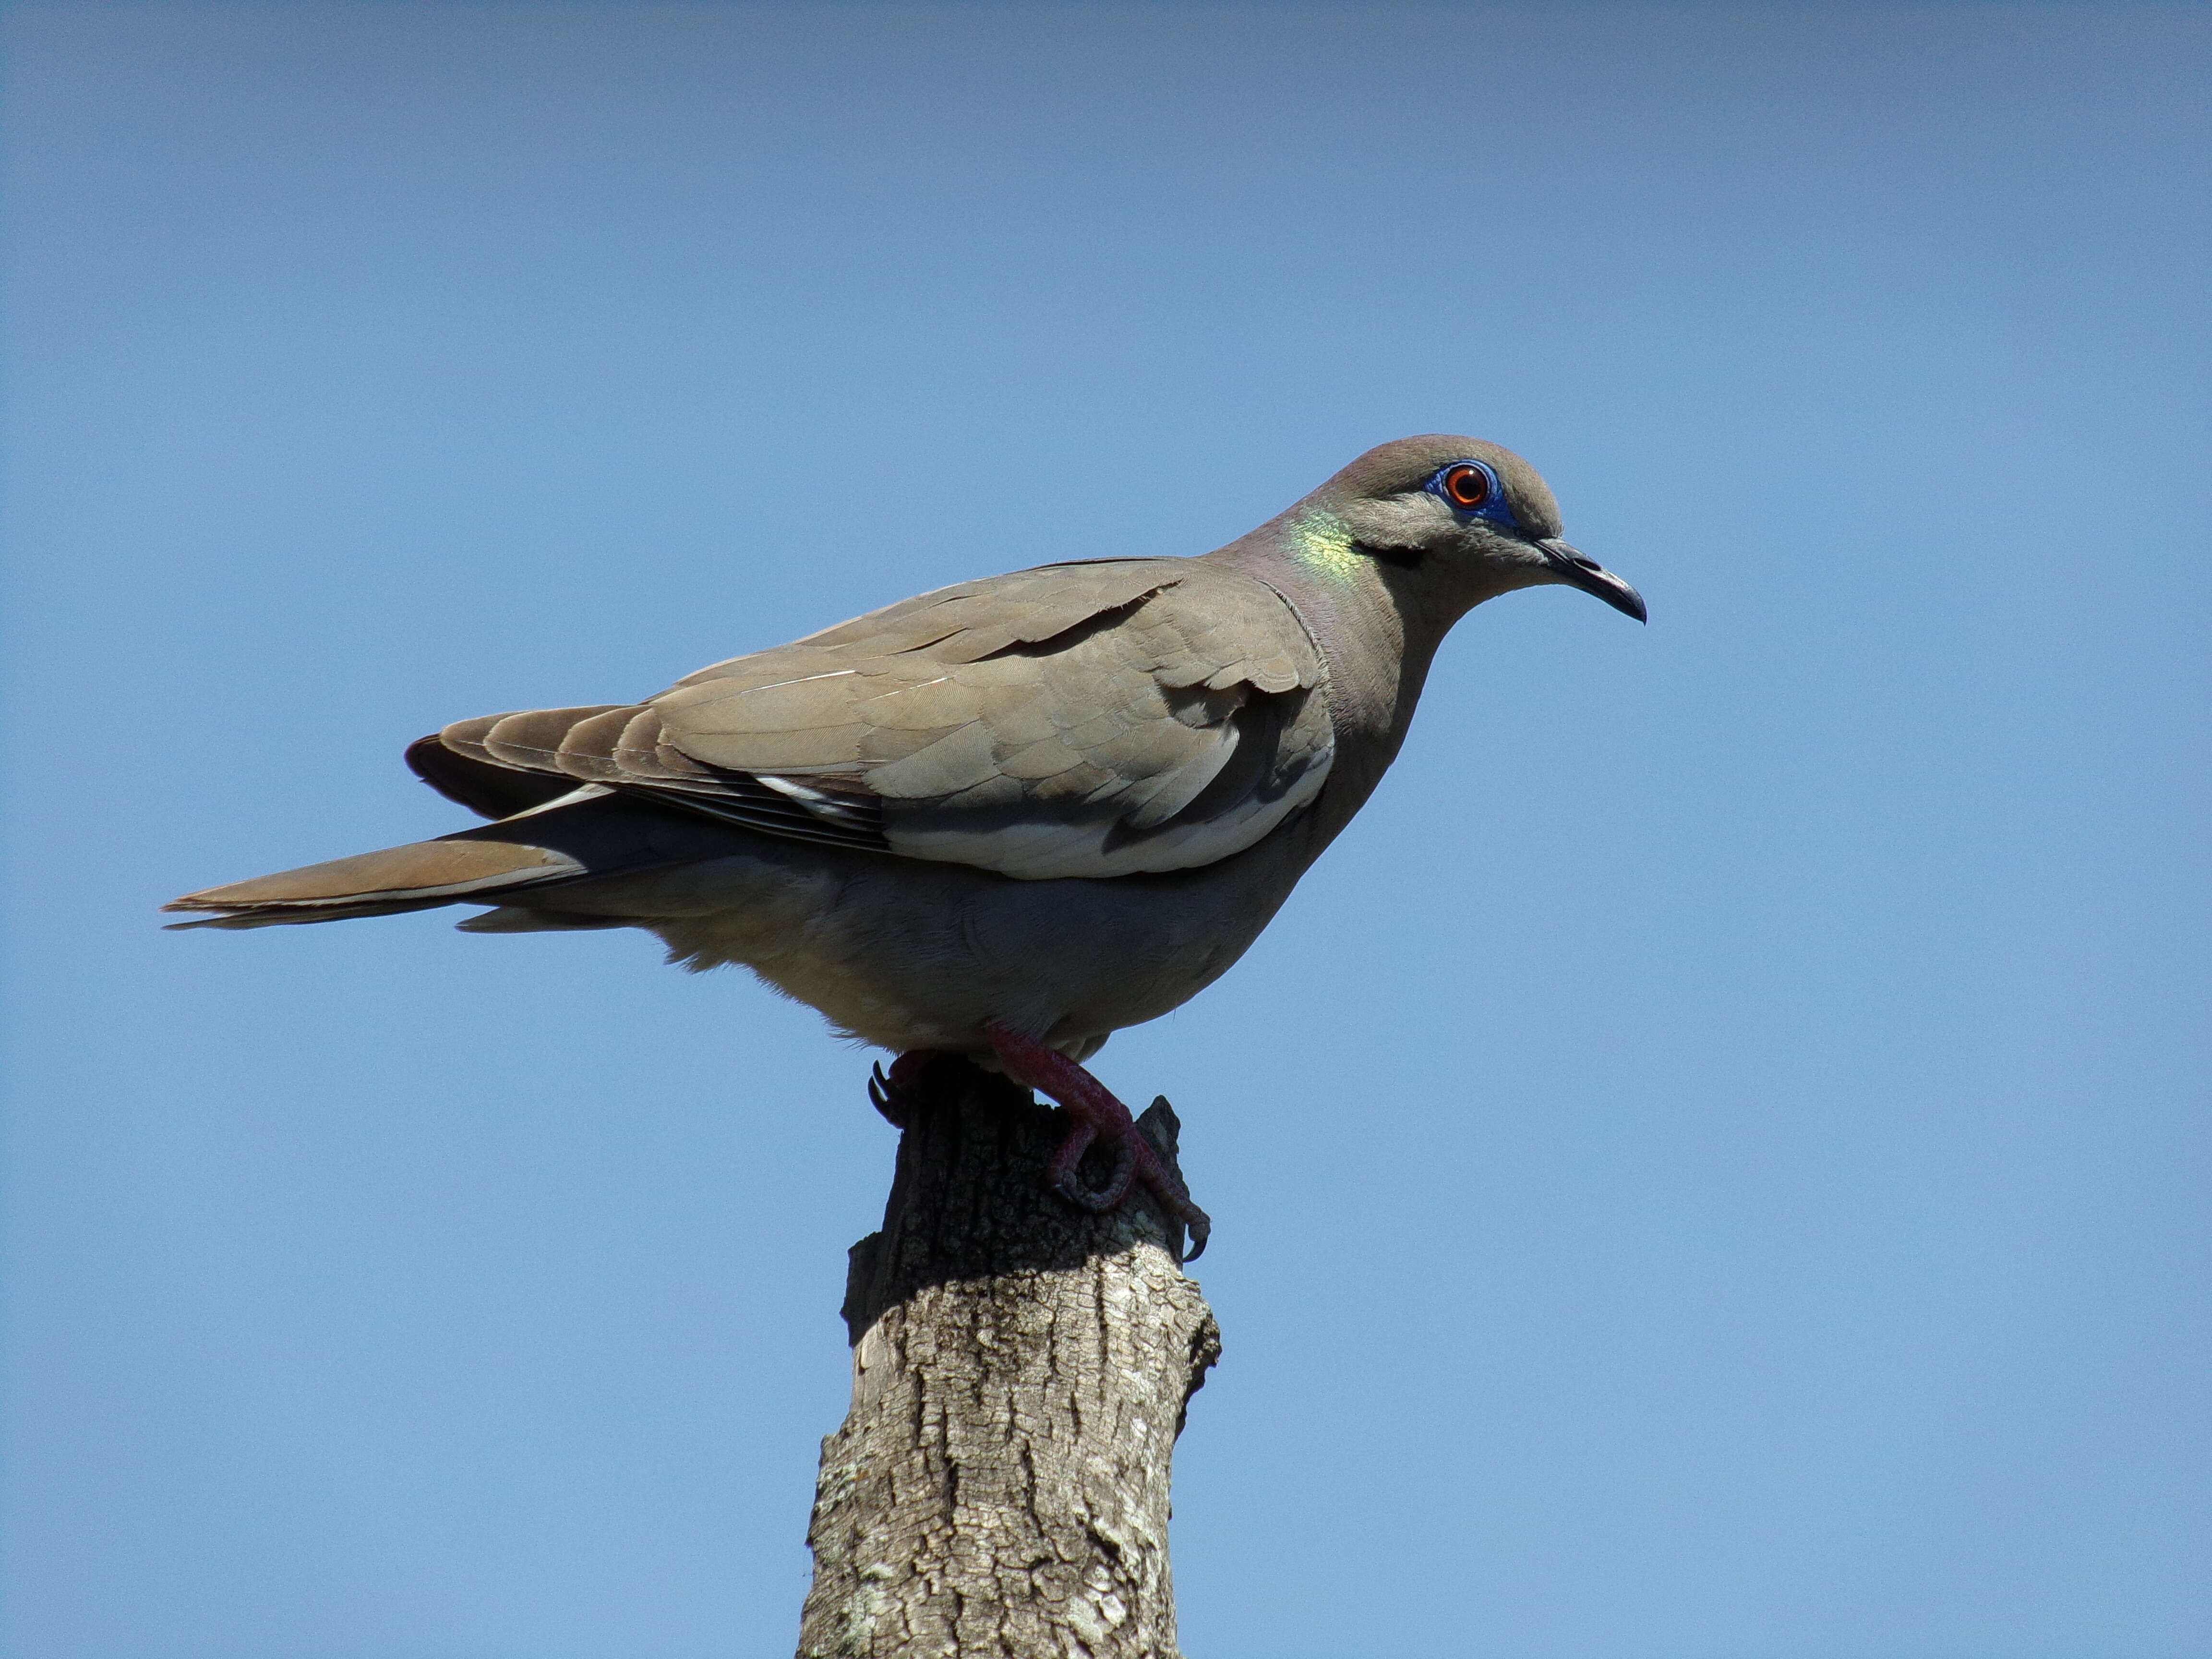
1085,719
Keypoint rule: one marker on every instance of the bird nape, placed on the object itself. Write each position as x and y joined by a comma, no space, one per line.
1003,819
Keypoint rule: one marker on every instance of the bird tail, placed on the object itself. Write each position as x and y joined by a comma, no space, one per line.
587,834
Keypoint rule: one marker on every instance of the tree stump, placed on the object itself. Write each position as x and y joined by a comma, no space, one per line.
1020,1370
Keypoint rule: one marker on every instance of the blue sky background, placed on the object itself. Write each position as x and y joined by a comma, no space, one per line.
1710,1166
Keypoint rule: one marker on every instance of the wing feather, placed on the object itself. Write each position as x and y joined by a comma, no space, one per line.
1085,719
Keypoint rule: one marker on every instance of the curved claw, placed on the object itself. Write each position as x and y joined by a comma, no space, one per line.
883,1096
1174,1199
1070,1185
1072,1190
897,1092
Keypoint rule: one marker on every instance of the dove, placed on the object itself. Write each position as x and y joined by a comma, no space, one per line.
1004,819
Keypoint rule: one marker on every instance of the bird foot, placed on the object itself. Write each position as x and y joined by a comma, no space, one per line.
897,1092
1094,1115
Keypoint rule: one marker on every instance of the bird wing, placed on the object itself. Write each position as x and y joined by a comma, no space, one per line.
1099,719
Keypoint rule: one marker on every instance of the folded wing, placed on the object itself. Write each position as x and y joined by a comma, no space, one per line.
1101,719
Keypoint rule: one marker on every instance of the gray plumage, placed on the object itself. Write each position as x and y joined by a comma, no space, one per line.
1083,720
1064,799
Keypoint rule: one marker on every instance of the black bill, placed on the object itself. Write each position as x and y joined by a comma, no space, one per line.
1577,570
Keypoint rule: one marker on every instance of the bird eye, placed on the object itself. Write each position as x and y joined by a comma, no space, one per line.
1466,486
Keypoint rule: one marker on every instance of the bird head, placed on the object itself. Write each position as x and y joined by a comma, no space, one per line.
1463,520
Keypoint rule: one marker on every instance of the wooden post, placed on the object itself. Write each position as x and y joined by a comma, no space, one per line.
1020,1370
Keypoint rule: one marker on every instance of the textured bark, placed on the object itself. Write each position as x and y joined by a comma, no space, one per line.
1019,1374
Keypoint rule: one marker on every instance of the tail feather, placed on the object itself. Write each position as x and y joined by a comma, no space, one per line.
515,918
280,915
547,846
411,877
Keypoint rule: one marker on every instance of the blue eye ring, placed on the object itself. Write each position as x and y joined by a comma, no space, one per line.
1471,490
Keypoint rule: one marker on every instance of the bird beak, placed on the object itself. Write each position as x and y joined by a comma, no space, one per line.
1577,570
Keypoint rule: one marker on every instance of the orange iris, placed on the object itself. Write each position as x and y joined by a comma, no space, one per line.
1467,486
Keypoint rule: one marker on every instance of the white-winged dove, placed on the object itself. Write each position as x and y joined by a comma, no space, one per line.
1003,819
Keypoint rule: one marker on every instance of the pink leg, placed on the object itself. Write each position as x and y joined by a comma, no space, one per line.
1094,1113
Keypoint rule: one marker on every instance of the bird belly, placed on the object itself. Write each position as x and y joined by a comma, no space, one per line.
904,954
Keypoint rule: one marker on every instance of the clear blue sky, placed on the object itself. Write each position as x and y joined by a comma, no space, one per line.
1712,1164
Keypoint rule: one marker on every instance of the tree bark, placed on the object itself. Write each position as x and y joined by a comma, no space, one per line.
1020,1370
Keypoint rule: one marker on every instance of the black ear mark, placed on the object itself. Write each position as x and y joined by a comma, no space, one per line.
1406,558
